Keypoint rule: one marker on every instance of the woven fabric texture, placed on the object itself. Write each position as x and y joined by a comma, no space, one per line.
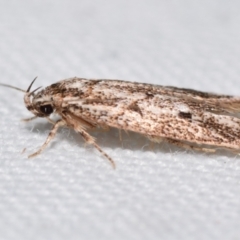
158,191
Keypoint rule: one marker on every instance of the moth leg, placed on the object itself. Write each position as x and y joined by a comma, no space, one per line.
29,119
120,134
34,117
90,140
51,135
190,147
50,120
155,139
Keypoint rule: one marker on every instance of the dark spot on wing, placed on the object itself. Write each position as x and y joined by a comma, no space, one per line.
149,95
135,107
186,115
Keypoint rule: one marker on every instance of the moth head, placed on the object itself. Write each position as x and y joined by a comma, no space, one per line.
37,103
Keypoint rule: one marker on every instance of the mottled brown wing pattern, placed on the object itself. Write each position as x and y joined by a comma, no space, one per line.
168,112
184,117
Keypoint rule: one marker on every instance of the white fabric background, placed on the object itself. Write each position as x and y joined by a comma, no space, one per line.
157,192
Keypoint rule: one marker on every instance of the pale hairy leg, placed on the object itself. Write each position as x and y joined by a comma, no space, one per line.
51,135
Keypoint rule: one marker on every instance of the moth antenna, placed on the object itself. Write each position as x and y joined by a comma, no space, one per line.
27,98
19,89
10,86
32,93
29,88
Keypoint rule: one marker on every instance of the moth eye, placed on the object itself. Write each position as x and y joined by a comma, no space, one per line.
46,109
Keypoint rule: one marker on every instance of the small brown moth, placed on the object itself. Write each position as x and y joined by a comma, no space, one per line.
185,117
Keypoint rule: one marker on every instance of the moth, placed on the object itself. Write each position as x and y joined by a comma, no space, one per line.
185,117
